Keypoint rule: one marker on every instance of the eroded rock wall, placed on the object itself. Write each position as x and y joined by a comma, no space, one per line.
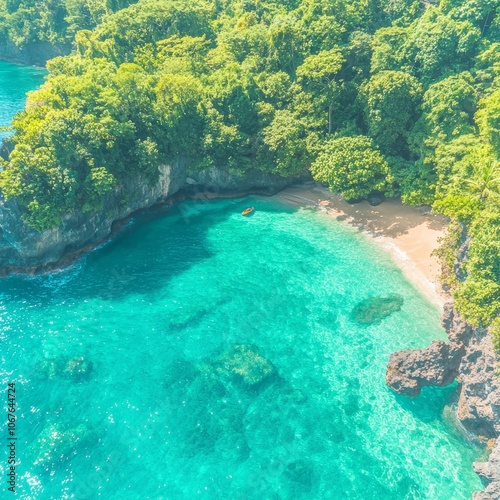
470,358
23,249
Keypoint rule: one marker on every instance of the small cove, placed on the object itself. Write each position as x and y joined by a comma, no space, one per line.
162,312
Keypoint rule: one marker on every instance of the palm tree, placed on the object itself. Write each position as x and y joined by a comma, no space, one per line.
486,178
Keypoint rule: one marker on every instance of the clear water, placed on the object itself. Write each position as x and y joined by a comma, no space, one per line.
15,81
156,309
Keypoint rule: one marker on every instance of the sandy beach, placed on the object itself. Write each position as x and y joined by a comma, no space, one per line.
409,234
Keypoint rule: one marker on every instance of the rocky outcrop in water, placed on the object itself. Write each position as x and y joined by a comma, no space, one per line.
409,371
23,249
469,357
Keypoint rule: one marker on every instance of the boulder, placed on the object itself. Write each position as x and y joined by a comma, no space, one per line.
408,371
375,199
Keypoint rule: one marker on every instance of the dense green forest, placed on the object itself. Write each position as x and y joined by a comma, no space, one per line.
24,22
399,97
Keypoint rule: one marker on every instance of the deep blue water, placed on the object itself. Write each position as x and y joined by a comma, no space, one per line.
226,362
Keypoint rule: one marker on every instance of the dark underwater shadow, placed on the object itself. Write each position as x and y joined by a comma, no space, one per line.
152,249
429,405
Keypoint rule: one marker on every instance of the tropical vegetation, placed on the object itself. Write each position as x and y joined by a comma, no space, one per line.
395,97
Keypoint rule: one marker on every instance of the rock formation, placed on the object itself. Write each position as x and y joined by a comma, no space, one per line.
409,371
375,309
33,53
489,472
23,249
470,358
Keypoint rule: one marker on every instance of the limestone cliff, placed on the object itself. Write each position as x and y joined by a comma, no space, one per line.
23,249
469,356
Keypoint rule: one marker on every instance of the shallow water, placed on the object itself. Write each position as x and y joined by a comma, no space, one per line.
169,411
15,81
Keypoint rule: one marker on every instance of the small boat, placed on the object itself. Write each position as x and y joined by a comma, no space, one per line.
248,210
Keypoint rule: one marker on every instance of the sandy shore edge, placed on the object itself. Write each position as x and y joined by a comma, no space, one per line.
408,234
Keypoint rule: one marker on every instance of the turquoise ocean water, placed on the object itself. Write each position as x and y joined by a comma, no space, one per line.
169,408
15,81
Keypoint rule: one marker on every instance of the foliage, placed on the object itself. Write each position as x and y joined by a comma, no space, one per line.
392,105
27,22
488,119
285,137
352,166
495,331
395,96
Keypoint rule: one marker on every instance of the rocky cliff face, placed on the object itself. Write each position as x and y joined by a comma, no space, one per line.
468,356
23,249
490,474
34,54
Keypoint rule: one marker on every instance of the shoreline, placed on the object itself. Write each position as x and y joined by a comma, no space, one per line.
408,234
71,257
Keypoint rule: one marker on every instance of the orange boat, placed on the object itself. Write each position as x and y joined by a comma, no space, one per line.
248,210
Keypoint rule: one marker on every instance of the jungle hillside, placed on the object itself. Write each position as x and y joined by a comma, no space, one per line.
395,97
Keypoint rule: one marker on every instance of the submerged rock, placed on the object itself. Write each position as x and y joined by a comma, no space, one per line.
209,406
210,415
375,309
301,472
74,368
409,371
244,363
179,373
55,442
77,368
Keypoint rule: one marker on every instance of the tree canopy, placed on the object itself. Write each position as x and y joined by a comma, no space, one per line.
400,97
